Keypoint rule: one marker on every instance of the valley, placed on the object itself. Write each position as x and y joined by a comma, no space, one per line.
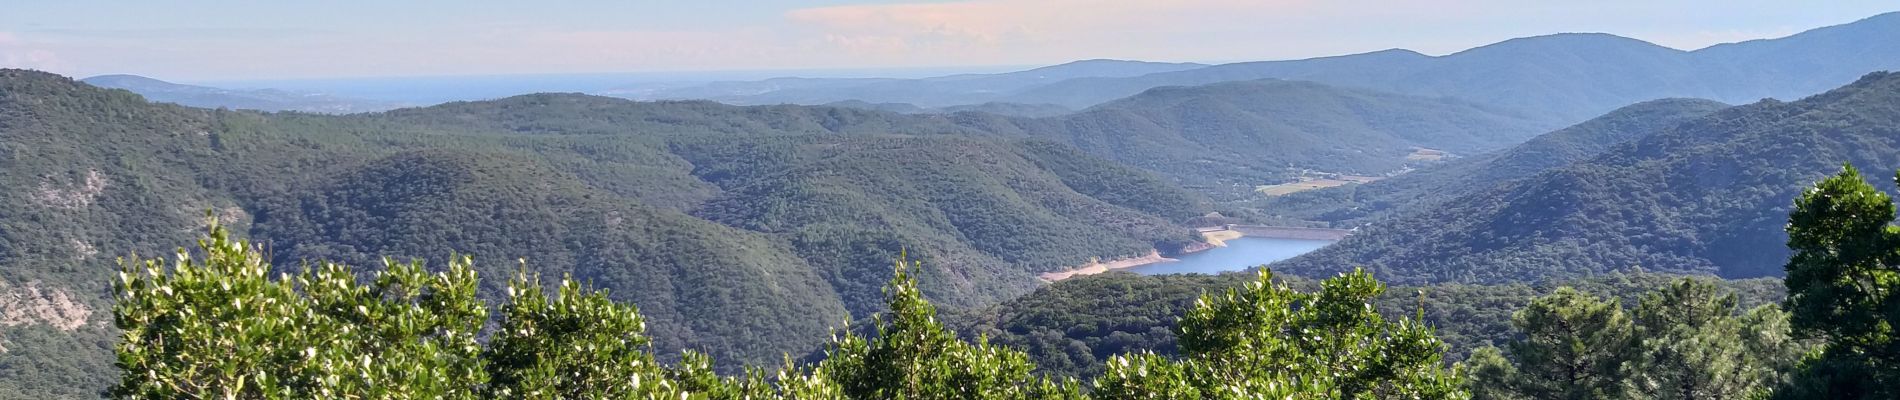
1386,224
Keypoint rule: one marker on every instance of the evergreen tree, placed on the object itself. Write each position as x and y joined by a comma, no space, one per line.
1843,289
1266,340
1682,341
1689,346
1574,347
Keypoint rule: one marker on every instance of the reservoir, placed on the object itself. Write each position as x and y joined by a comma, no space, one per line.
1240,253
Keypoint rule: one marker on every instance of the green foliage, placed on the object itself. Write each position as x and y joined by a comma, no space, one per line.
1689,348
222,328
913,356
1574,348
577,344
1682,341
1072,327
1266,340
1843,289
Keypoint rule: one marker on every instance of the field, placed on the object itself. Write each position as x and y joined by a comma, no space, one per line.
1275,190
1220,237
1426,155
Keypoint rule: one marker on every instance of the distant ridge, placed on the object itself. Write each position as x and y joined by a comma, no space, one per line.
1571,76
261,99
943,91
1565,77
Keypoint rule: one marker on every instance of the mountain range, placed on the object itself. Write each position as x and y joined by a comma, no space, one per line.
1567,77
743,232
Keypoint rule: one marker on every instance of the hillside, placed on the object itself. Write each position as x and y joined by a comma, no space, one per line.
1710,196
1571,77
704,286
258,99
1351,205
1221,139
1226,138
743,232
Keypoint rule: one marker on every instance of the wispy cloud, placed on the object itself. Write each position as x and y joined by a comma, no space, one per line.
1006,26
16,53
184,33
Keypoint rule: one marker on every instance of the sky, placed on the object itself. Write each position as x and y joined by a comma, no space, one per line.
208,40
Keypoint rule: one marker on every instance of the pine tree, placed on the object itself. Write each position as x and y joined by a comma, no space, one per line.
1843,289
1574,347
1689,346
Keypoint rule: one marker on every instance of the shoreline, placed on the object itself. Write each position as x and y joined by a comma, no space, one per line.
1153,257
1215,236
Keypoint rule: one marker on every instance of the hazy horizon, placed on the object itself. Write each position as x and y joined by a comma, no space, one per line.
207,41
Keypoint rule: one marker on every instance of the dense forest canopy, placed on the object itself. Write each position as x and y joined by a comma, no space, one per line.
696,211
223,327
1704,196
1353,205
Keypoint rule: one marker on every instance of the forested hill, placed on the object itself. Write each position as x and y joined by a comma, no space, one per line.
1709,195
1352,205
1569,76
1222,138
1229,137
743,232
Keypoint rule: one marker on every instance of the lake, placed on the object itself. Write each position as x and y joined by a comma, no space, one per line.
1239,254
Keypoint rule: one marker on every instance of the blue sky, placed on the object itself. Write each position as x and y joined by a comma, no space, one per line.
235,40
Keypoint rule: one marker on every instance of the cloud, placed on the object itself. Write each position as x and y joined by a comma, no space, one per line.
16,53
1002,25
184,33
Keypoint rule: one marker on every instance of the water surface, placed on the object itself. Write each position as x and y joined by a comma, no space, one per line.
1239,254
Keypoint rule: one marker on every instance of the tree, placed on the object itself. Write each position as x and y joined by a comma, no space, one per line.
1266,340
1689,346
914,357
1574,347
577,345
1682,341
221,328
1843,289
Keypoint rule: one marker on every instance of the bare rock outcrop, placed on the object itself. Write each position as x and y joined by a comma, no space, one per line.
71,196
33,303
